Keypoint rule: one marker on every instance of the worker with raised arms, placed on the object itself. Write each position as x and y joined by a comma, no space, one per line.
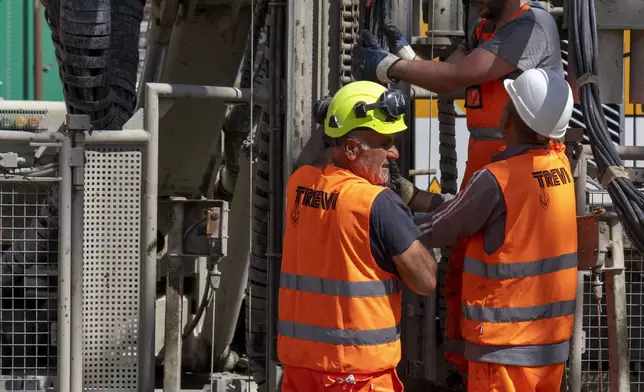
520,270
349,245
510,37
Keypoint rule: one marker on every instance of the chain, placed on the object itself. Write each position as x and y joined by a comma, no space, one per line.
350,22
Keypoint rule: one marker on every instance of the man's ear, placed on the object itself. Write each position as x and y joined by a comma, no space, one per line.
350,147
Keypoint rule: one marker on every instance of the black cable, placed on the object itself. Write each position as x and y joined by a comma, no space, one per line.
627,199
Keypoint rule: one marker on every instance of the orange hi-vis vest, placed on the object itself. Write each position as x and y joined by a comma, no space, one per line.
485,103
519,302
338,311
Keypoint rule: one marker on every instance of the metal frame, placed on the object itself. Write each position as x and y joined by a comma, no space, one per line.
157,94
614,270
70,251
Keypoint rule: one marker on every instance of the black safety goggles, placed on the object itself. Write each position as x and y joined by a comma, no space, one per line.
392,103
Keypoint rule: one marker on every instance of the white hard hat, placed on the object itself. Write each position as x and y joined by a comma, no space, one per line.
543,100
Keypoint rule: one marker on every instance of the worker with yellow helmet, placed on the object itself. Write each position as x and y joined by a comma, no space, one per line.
349,245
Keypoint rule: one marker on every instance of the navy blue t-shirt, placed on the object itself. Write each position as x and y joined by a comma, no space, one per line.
391,229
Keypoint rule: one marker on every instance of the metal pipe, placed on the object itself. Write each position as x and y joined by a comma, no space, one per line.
64,268
76,372
421,93
577,341
624,152
53,139
174,304
38,64
147,300
227,94
29,137
421,172
126,136
29,179
617,315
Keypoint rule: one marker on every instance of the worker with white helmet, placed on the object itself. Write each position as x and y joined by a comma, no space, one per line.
349,245
510,37
520,270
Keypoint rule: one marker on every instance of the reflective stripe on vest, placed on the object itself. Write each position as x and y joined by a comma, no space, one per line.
338,311
520,270
340,288
536,355
338,336
519,302
484,104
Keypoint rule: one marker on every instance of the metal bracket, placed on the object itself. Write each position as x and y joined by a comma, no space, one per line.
10,160
204,228
593,238
76,125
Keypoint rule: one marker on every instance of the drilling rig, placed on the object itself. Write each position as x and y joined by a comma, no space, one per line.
161,204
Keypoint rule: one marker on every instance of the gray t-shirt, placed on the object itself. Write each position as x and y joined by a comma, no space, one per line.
531,40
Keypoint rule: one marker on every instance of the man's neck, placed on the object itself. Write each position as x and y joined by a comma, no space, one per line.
512,7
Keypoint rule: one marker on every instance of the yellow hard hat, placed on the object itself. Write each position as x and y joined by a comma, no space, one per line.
365,104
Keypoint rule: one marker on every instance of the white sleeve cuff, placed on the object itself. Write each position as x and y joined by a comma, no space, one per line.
406,53
383,68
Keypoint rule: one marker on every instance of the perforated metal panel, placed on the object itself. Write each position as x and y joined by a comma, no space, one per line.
111,251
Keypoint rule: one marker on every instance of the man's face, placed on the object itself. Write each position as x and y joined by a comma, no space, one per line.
368,154
490,9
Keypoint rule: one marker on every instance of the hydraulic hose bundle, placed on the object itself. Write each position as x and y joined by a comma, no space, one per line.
377,15
628,200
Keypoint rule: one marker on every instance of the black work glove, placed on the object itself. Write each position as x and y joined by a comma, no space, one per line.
403,187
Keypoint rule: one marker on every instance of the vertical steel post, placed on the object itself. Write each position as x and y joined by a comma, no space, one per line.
64,267
78,194
174,304
577,337
149,257
618,352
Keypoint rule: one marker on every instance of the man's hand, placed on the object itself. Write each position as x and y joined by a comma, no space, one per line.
398,44
399,184
369,61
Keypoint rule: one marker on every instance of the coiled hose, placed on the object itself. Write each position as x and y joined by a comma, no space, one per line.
628,200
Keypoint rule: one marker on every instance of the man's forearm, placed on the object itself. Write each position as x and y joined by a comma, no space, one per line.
439,77
427,201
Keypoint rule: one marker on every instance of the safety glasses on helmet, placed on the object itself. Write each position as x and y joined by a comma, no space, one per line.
392,103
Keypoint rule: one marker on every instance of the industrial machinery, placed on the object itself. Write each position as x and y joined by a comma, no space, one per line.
163,185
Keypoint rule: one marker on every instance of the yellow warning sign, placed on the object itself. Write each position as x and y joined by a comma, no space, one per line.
434,186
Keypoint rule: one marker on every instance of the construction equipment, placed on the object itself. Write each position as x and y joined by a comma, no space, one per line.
162,205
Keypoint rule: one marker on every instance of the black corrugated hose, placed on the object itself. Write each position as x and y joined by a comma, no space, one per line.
627,199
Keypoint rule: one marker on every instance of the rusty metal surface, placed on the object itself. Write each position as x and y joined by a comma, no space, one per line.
587,241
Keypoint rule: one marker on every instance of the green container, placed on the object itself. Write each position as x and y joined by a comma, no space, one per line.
17,54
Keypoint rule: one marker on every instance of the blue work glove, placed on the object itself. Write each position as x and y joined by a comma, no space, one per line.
398,43
369,61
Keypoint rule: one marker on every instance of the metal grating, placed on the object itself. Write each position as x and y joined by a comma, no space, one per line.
28,287
596,330
111,252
